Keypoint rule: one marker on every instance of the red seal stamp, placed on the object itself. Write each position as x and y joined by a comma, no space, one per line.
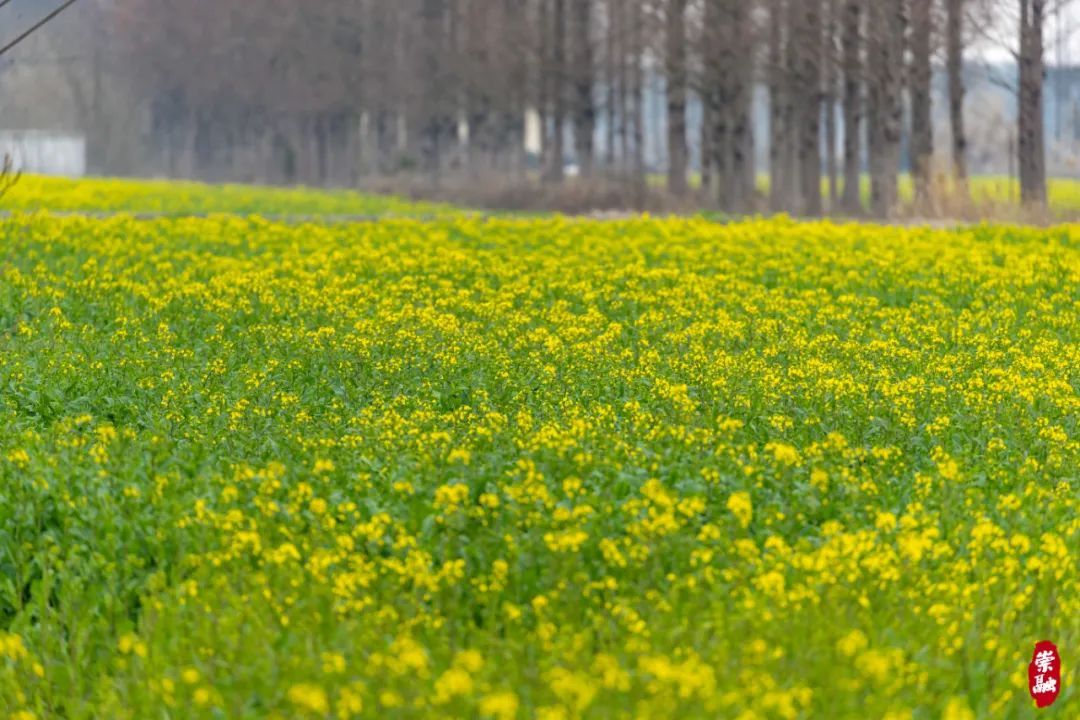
1044,674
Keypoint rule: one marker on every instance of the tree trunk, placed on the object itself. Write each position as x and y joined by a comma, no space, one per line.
829,60
637,99
713,42
806,36
612,80
718,50
922,134
741,69
706,146
436,107
853,110
886,32
779,169
728,96
676,96
557,38
622,101
720,111
1031,145
954,40
584,107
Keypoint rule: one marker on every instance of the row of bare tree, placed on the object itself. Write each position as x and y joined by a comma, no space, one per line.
331,91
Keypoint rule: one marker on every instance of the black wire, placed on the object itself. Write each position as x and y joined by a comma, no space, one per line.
36,26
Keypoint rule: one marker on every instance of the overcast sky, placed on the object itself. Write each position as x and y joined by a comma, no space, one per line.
995,43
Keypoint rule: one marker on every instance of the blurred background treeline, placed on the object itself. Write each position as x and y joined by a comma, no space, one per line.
804,106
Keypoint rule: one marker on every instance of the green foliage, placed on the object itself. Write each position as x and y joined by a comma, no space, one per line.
517,468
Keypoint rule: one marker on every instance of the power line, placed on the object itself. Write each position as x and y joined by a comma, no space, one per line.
36,26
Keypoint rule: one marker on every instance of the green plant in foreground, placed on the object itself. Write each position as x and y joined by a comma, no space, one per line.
538,468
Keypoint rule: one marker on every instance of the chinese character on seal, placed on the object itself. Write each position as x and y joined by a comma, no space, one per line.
1044,674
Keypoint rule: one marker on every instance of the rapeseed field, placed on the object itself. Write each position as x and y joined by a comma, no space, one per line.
172,197
535,468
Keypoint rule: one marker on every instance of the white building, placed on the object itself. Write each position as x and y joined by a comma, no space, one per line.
45,152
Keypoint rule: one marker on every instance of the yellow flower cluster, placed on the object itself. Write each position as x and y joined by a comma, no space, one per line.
171,197
534,468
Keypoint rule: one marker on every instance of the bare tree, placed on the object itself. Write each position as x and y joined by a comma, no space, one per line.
557,70
954,63
781,162
744,172
676,95
806,42
337,92
728,42
830,80
636,90
611,79
922,134
885,37
1031,144
584,105
851,40
623,15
